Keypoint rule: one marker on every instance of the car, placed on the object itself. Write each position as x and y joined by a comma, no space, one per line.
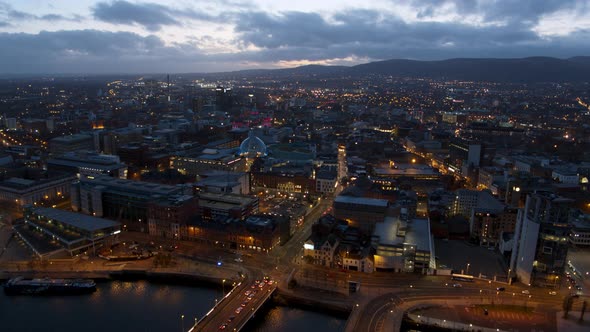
457,285
222,326
270,282
552,293
231,318
526,291
248,292
501,289
239,309
244,304
256,282
239,260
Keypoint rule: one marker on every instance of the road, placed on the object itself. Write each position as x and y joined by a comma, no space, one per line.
234,311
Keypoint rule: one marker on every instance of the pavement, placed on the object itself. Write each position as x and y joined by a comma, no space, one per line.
572,323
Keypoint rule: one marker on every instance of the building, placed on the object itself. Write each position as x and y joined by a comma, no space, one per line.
50,231
362,213
322,249
466,201
580,233
259,233
170,217
60,145
326,180
403,245
87,163
122,200
30,191
487,225
541,240
213,206
252,147
209,159
224,182
464,154
284,179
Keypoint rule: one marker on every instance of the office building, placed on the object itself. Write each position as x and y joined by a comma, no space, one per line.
87,163
541,241
60,145
122,200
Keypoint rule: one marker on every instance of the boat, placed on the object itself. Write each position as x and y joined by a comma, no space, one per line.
47,286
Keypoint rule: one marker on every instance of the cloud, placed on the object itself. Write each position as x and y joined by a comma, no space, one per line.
263,39
8,12
295,36
525,11
310,30
149,15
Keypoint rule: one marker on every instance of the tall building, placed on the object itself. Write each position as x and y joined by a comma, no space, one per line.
541,239
464,153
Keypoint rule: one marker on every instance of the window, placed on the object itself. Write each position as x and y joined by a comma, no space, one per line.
547,250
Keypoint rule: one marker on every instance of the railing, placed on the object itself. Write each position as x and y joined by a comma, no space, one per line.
193,328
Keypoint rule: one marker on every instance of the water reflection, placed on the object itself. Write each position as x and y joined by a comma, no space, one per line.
141,306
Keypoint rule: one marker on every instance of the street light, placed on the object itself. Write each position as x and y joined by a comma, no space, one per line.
223,286
467,269
182,322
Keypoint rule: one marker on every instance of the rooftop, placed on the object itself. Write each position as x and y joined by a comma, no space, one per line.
417,233
361,200
80,221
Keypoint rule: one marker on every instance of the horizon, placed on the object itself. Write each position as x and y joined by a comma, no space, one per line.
167,36
66,74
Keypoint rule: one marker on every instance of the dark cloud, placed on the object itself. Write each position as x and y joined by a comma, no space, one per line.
298,29
96,52
149,15
371,34
526,11
288,36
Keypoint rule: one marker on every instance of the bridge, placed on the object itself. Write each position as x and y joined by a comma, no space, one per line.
237,307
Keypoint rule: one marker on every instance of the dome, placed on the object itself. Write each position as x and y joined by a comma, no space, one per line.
252,147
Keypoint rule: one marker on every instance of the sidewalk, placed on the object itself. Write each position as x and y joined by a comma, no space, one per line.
572,323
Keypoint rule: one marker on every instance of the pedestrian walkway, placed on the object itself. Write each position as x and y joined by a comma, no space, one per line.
572,324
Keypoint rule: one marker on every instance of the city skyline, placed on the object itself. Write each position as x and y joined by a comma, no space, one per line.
182,37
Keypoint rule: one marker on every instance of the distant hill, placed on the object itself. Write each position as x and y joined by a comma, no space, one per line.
522,70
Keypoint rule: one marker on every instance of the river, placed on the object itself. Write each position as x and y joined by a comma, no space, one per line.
120,306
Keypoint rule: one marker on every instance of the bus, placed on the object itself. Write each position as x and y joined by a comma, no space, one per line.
462,277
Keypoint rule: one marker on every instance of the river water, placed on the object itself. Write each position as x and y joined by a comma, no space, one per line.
120,306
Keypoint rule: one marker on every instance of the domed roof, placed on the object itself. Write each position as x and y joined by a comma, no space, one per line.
252,147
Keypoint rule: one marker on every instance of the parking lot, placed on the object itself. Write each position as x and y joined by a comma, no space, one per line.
471,259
